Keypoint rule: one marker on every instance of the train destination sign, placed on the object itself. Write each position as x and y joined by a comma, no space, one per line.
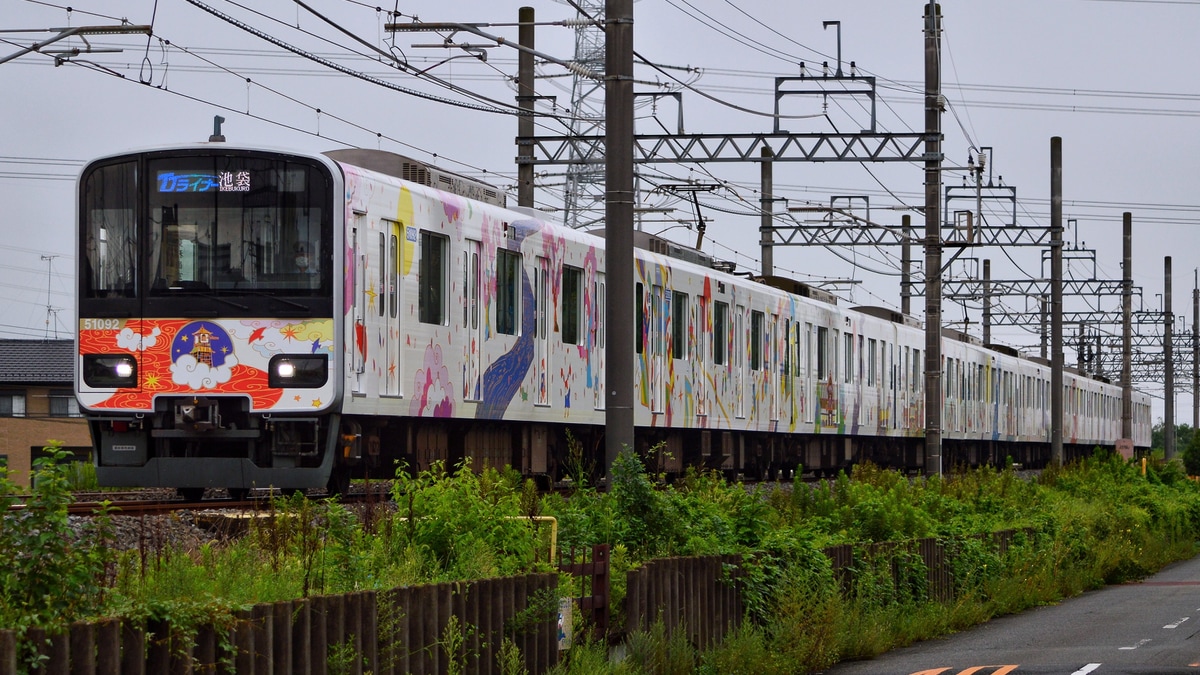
222,181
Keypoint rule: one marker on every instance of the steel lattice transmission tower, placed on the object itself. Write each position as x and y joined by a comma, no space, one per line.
584,188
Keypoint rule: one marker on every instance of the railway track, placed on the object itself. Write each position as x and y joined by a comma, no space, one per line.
137,502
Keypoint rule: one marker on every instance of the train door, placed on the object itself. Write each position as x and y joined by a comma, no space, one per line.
596,354
472,324
789,369
808,399
739,361
357,241
893,411
389,305
541,337
658,313
700,363
771,367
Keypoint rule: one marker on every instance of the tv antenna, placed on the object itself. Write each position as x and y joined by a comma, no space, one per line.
51,312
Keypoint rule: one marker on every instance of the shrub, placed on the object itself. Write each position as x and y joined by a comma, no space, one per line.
53,574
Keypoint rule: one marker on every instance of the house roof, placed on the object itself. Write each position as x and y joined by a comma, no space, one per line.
37,361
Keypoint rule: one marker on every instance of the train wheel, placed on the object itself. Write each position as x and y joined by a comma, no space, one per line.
239,494
339,481
191,494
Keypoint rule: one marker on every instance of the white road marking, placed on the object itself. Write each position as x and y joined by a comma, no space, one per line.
1086,669
1139,644
1177,623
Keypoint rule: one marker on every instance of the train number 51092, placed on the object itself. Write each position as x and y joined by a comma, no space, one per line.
101,324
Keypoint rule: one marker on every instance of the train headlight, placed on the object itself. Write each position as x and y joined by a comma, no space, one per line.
298,371
105,371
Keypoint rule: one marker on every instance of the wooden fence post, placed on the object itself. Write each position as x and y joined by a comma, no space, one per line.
83,648
242,639
370,630
405,628
318,642
8,652
263,628
301,632
108,643
206,650
281,638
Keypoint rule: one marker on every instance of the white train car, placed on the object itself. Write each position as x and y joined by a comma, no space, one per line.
250,318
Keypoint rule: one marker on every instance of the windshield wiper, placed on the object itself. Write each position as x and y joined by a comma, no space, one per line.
211,295
276,298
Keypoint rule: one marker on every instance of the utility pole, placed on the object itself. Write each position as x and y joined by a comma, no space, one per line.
1056,303
933,241
906,265
1044,305
1168,365
1127,327
526,93
766,230
618,229
987,302
1080,340
1196,356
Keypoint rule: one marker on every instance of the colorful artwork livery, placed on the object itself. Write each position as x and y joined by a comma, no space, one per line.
202,357
253,318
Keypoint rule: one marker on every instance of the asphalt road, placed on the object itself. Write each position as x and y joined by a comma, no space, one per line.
1147,627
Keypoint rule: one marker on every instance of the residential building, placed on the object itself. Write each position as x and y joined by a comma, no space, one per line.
37,403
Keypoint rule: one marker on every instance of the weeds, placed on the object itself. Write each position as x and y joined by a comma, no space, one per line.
1093,522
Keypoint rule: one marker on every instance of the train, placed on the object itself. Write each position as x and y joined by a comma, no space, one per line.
251,317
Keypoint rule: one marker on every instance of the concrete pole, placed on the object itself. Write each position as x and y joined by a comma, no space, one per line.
766,228
933,241
1127,327
1056,303
906,266
618,228
1168,364
987,302
1196,356
1080,364
525,101
1044,304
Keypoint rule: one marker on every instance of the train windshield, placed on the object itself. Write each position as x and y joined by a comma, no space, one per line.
246,224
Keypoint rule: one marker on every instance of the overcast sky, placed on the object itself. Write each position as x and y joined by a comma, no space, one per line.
1115,79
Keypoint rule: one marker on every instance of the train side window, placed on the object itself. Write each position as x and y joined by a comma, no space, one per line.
639,338
848,369
431,300
601,303
917,370
822,353
572,304
679,325
756,340
382,273
394,272
809,358
720,339
508,276
789,350
862,355
833,356
872,349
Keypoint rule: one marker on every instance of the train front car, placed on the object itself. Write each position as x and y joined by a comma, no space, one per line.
207,322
